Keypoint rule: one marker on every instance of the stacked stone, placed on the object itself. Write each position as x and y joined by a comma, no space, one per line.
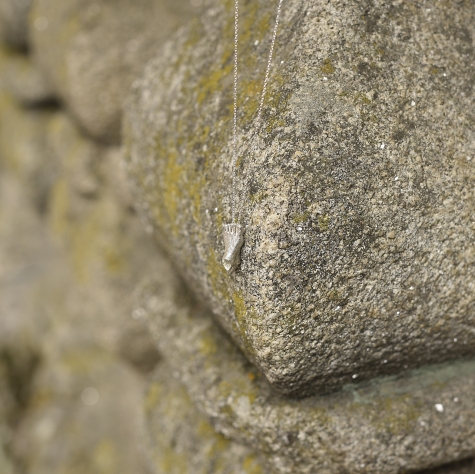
356,283
344,342
73,362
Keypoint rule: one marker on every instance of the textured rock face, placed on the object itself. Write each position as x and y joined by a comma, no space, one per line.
180,439
357,194
104,243
92,50
390,426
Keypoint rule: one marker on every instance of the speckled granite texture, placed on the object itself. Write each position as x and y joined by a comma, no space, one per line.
357,193
391,425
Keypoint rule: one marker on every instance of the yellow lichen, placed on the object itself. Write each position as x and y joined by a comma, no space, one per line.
105,457
327,67
324,223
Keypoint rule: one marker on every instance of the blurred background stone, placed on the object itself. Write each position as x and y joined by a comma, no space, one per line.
23,81
420,419
357,194
180,439
92,50
88,298
14,22
462,467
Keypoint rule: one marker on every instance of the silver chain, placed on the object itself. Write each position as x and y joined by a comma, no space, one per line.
235,87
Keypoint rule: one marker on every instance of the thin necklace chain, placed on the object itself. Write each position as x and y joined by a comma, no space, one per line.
235,87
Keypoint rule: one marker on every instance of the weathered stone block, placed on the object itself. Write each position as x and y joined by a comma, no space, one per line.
92,51
391,425
357,194
14,22
181,440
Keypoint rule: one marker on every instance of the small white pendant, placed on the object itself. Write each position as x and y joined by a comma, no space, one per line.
233,240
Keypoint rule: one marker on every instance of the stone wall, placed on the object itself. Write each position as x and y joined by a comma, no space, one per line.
344,341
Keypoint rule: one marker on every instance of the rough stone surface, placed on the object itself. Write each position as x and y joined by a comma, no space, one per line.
92,51
24,257
63,431
392,425
14,22
357,193
181,440
24,149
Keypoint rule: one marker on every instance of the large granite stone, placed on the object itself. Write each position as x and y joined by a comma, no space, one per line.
461,467
92,51
421,419
357,194
179,439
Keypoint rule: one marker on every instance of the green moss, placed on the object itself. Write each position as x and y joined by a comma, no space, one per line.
172,462
239,308
396,415
334,295
361,98
181,183
258,197
114,260
213,82
244,319
327,67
